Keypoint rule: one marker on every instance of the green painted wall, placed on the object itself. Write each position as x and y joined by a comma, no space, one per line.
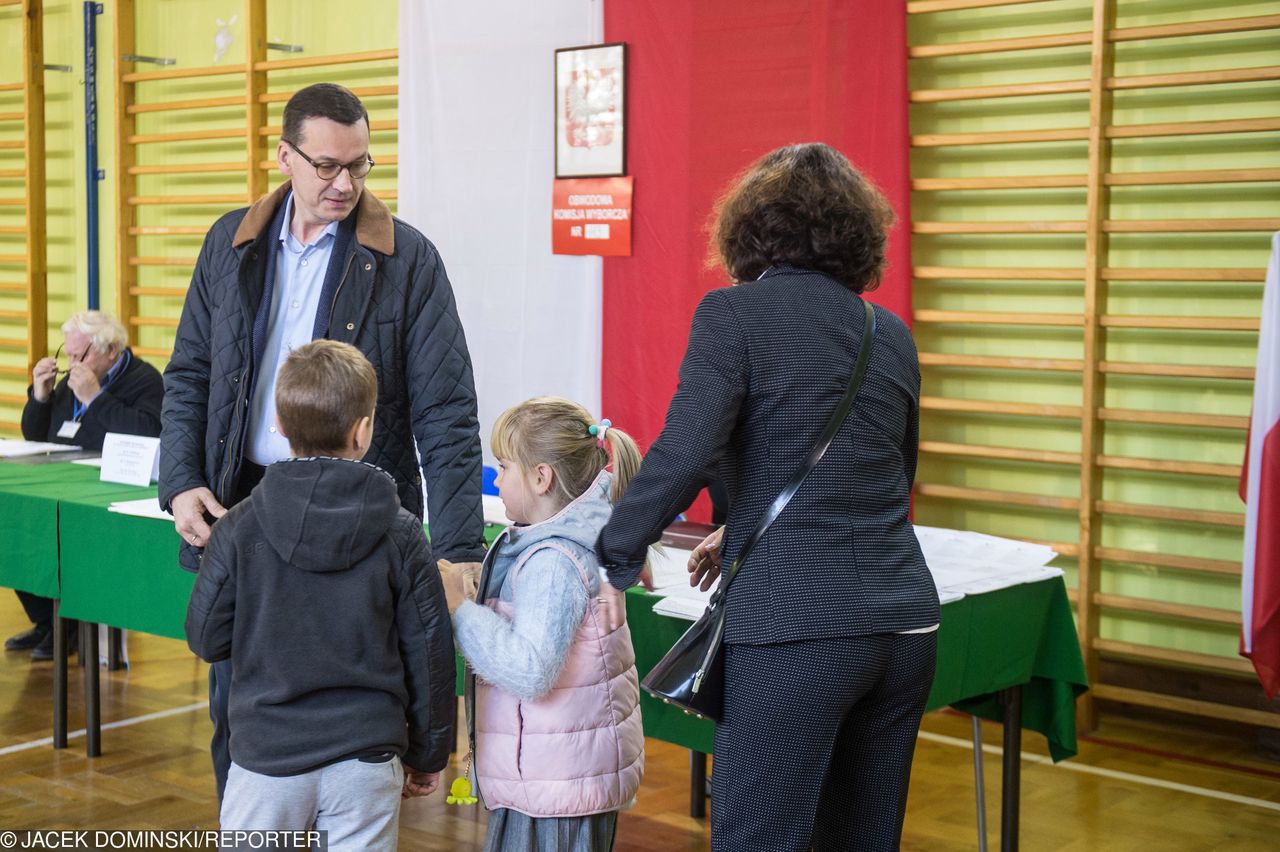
1249,250
183,30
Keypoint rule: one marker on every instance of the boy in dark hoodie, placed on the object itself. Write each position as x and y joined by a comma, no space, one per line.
322,591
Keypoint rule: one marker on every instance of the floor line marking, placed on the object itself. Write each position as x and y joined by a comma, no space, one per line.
1109,773
123,723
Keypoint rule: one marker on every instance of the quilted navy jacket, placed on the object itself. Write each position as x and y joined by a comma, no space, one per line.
766,365
394,303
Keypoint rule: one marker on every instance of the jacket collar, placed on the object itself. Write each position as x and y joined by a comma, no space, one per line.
374,227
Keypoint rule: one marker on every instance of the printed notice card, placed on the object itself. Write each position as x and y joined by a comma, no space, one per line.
130,459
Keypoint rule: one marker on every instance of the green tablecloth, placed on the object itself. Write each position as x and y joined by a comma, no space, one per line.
123,571
31,498
1019,635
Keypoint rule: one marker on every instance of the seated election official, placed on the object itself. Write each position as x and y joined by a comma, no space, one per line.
101,388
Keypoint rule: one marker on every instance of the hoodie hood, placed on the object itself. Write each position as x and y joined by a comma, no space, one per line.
579,522
324,514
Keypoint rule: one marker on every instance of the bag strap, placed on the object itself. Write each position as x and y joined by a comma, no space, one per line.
815,455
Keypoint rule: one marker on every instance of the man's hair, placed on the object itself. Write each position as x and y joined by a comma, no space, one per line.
322,100
103,330
323,389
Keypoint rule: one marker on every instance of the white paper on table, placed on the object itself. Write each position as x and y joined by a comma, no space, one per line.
147,507
687,592
937,543
89,462
688,609
12,448
670,567
972,578
494,511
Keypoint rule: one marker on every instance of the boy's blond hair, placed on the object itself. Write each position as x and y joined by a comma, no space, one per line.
322,391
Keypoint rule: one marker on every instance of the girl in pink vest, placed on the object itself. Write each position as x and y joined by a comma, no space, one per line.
553,693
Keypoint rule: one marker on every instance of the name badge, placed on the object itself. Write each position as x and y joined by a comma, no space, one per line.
69,429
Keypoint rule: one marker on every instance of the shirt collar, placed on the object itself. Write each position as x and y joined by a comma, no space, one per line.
329,230
121,360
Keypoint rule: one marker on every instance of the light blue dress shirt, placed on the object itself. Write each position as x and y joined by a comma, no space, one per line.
300,271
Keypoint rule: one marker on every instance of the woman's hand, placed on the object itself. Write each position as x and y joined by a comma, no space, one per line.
704,562
614,602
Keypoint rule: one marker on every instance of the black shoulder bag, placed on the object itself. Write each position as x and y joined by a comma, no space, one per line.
691,675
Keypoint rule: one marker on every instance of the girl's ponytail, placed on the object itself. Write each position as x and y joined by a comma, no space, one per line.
626,461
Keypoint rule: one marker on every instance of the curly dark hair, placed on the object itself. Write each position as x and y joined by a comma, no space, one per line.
804,206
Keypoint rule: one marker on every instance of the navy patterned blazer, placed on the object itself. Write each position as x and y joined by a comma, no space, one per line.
766,365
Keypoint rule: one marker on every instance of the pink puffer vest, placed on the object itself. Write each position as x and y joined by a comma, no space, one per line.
577,750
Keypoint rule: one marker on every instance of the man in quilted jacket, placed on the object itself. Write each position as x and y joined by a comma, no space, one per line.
320,257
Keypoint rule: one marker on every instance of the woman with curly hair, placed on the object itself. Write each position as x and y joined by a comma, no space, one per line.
830,624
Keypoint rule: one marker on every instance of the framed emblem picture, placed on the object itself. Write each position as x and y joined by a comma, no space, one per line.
591,104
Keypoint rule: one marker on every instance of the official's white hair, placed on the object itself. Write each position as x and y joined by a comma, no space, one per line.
103,330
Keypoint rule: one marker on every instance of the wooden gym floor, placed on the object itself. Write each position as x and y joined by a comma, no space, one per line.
1135,785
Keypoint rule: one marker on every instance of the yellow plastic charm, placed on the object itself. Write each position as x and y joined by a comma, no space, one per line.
460,793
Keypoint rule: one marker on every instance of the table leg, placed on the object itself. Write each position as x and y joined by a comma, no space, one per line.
92,693
697,784
979,784
1011,791
115,659
59,680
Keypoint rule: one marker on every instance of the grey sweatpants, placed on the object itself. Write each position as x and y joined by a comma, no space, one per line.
357,803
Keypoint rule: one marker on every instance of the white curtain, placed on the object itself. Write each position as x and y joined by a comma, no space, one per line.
475,175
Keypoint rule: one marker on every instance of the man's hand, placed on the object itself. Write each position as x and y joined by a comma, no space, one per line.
459,580
704,562
419,783
470,575
83,383
43,378
189,509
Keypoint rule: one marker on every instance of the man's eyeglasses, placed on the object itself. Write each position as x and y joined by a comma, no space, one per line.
328,171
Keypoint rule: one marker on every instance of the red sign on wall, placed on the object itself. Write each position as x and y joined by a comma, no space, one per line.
591,216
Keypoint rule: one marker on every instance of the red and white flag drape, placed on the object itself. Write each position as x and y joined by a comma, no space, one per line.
1260,487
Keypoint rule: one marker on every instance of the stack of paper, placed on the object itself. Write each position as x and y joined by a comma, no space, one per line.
147,507
686,608
969,563
11,448
669,567
671,584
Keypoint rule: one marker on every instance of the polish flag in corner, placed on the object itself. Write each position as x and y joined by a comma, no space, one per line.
1260,487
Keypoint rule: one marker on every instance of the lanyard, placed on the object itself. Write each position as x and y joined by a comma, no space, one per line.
78,408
